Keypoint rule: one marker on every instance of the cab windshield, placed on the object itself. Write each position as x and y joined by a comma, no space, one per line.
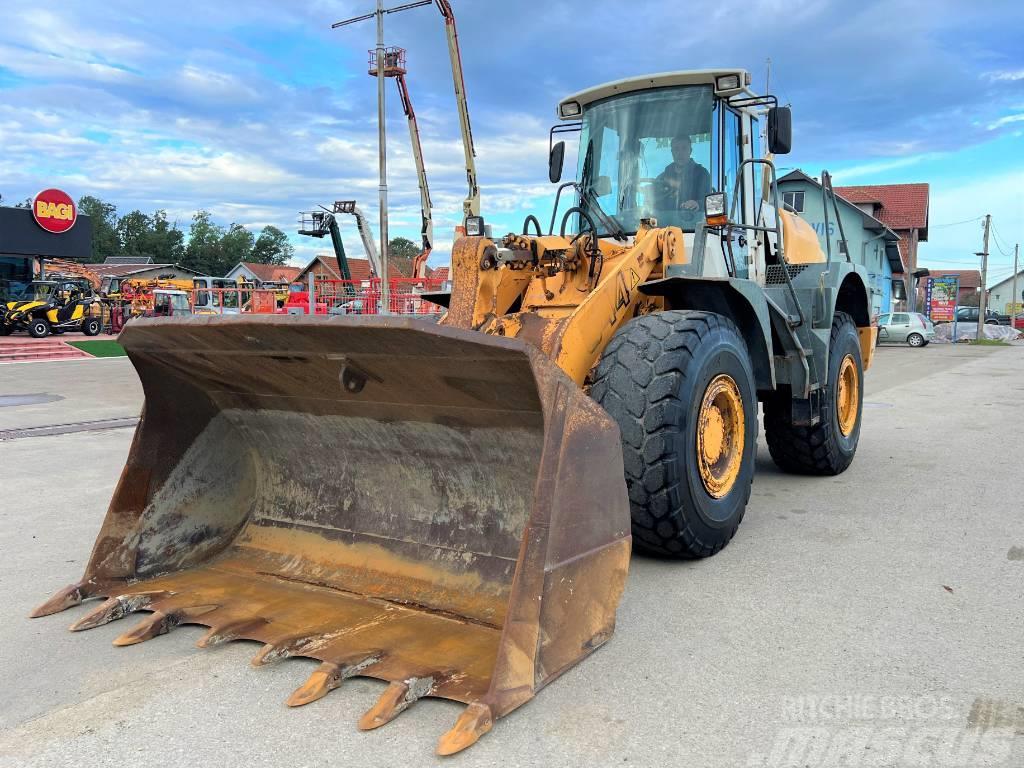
648,154
37,292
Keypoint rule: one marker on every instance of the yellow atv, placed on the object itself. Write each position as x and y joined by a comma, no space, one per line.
52,306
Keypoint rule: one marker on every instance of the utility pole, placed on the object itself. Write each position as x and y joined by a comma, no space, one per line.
382,146
1013,292
982,302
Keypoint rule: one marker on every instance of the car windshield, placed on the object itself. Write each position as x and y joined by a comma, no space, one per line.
36,292
649,154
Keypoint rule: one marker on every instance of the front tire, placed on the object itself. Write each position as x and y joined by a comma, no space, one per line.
829,446
92,326
39,328
680,386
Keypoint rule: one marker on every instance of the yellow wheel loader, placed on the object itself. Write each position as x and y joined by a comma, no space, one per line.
450,507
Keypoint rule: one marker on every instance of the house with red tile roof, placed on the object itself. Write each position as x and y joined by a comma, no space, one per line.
325,267
252,272
901,207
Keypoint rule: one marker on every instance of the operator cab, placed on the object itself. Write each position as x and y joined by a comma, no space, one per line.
656,147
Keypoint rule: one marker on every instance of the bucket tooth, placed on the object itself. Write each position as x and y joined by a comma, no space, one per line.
234,630
396,699
272,652
326,678
473,723
113,609
160,623
73,594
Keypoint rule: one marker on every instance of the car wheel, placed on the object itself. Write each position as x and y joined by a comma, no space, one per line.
92,326
40,328
915,340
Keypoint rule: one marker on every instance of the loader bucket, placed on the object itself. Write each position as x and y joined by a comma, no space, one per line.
433,507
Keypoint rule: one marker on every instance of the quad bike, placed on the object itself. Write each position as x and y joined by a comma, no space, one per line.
52,306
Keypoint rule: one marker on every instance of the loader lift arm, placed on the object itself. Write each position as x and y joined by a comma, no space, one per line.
471,205
419,264
350,207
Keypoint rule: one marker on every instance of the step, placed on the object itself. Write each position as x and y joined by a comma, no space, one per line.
24,352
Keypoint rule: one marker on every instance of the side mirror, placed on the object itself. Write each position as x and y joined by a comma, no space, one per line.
716,212
555,161
780,130
602,186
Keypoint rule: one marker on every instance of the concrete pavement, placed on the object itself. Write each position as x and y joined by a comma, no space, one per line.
875,617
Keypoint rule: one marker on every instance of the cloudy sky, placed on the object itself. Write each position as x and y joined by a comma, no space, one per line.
256,110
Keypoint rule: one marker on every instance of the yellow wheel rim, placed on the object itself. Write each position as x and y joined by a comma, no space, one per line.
720,436
847,395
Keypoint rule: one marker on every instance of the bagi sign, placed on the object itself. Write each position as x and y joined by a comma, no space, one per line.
54,210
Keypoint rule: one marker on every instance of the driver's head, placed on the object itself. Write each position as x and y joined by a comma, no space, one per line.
681,148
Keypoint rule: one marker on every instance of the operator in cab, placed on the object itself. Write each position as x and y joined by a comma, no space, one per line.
684,183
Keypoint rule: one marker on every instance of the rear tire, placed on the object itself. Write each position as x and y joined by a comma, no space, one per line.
828,447
39,328
661,378
92,326
5,330
915,340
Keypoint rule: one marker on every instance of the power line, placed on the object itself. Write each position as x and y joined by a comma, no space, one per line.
955,223
999,244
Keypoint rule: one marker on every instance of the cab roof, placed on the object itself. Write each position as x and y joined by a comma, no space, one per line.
647,82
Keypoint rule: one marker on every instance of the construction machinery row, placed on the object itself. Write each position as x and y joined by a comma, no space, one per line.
450,507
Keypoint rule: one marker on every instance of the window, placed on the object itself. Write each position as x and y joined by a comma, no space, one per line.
794,200
884,319
649,154
901,318
731,159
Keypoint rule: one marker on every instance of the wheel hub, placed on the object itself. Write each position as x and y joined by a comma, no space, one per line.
847,396
720,436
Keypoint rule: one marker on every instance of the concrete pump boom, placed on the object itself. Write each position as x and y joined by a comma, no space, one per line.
471,206
419,264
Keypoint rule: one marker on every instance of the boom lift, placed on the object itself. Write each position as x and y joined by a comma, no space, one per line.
394,66
450,507
321,223
349,207
471,205
419,264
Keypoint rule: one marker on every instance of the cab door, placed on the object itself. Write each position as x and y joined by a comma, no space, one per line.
732,157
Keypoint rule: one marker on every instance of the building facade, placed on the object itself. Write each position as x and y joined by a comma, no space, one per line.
869,241
1001,296
904,209
257,274
24,245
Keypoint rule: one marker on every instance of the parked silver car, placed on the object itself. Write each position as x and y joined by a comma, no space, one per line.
905,328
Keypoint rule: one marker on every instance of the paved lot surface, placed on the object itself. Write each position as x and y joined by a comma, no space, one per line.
871,619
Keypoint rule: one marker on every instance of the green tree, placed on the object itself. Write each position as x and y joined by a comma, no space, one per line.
401,252
203,252
164,241
236,245
272,247
132,230
103,216
26,203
